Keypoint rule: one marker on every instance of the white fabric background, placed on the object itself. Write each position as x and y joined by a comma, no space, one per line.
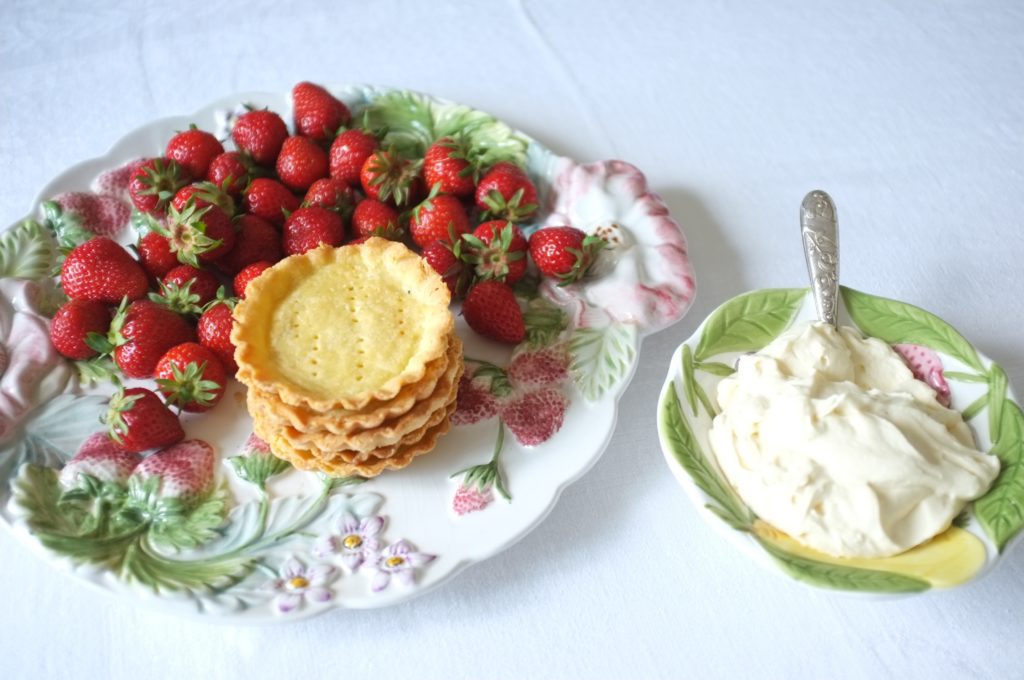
911,114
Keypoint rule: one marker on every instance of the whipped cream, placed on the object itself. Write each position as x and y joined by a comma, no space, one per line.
828,436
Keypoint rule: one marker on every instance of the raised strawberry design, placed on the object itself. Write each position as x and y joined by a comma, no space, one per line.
185,472
475,402
537,368
115,182
927,367
194,149
318,113
536,415
101,270
99,457
471,498
100,215
260,134
139,421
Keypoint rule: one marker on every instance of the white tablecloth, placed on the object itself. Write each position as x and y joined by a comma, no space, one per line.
911,114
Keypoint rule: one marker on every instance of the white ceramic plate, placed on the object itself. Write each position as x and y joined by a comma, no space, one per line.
251,551
976,386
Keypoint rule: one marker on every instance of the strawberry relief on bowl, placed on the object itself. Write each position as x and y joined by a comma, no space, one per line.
555,270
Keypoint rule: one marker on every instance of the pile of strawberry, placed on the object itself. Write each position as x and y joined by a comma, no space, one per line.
214,219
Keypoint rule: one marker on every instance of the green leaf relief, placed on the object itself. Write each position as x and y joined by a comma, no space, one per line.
959,376
842,578
689,383
257,467
976,407
997,387
897,322
1001,510
749,322
685,449
602,358
27,252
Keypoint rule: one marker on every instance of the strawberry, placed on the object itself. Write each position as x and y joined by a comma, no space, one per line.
100,215
564,253
535,416
440,256
491,309
260,134
215,332
154,184
245,277
142,332
138,421
439,218
387,176
309,228
194,149
269,199
333,194
446,165
471,498
100,269
185,471
506,192
318,114
72,325
497,250
99,457
349,153
203,194
926,367
155,254
198,234
191,377
257,240
230,172
186,290
374,218
300,163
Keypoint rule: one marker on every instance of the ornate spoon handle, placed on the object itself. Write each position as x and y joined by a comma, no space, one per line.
819,232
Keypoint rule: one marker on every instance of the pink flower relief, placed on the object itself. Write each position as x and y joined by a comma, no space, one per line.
297,583
400,560
355,541
644,276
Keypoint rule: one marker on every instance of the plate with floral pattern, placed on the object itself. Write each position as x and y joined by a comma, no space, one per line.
937,354
223,529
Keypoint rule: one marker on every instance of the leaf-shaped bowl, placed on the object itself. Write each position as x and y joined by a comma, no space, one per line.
978,388
260,527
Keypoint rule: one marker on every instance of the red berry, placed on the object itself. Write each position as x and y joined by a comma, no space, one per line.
349,153
255,240
199,234
309,228
155,254
507,193
300,163
100,269
145,330
565,253
215,332
373,218
439,218
200,282
260,134
318,113
269,199
229,172
453,272
138,421
491,309
194,149
73,323
446,166
245,277
191,377
332,194
386,176
496,250
154,183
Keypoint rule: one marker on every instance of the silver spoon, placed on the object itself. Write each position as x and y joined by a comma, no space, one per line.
820,235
